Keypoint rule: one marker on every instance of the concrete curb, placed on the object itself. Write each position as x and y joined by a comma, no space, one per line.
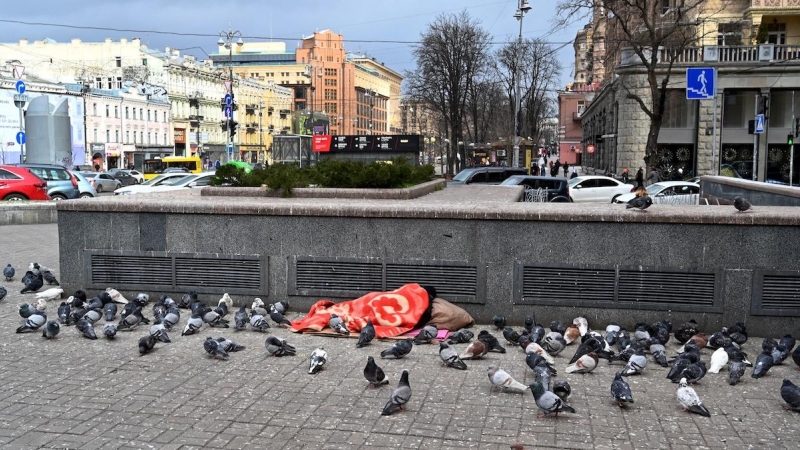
28,213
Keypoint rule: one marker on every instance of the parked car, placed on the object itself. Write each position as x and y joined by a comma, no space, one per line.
102,182
176,170
61,183
149,184
19,183
85,186
124,177
138,177
486,175
552,189
187,182
669,192
597,188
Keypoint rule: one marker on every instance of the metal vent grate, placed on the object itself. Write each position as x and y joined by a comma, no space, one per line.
553,285
781,292
216,273
661,287
119,270
335,275
449,281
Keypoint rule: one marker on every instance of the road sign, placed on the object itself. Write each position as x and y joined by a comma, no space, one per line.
759,124
230,148
21,98
19,86
228,111
590,149
228,85
228,99
19,71
21,138
701,83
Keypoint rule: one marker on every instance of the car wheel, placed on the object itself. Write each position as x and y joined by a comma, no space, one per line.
15,198
58,197
99,188
86,195
614,200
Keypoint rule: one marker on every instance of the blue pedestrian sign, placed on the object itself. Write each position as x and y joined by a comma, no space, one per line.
21,138
228,112
759,123
228,99
701,83
19,86
230,148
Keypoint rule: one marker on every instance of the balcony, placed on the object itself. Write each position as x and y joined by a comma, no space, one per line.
774,4
723,54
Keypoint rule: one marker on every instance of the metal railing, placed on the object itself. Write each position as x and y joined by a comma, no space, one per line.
725,54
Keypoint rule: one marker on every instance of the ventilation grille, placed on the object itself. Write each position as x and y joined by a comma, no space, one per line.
618,287
776,293
455,281
168,272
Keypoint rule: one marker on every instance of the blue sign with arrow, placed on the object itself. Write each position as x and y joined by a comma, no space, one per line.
21,138
228,112
19,86
701,83
228,99
760,119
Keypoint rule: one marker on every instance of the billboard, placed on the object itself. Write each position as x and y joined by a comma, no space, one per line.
9,127
376,142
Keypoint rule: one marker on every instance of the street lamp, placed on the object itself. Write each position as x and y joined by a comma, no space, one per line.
522,8
226,40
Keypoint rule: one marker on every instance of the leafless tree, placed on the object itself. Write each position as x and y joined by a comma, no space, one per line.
653,34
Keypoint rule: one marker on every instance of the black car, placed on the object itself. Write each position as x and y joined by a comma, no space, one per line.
541,189
486,175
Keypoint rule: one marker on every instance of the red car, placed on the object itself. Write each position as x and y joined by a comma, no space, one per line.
18,183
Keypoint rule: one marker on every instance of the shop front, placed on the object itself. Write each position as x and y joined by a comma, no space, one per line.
113,156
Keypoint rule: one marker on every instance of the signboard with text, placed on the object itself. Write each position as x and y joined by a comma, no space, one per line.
374,142
321,143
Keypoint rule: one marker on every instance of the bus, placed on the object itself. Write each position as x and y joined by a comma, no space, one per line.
157,166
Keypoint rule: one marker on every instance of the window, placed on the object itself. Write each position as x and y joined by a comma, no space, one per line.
148,138
94,109
141,137
729,34
127,112
331,72
108,135
148,115
738,108
116,135
116,112
118,61
330,108
95,135
118,84
108,111
166,142
330,94
6,175
581,107
330,82
141,114
127,137
678,112
144,61
602,182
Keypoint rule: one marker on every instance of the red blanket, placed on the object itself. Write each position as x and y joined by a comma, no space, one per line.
392,313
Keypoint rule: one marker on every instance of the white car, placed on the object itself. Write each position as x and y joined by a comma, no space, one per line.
149,184
186,182
597,188
669,193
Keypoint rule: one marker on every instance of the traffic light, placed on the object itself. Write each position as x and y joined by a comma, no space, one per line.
763,105
790,139
751,127
232,124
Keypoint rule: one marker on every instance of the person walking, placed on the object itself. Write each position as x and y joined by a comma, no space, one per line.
557,167
566,170
640,177
625,177
653,177
542,163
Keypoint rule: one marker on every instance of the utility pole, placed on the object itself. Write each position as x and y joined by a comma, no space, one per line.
226,40
522,8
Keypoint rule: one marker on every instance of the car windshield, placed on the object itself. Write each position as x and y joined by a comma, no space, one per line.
574,181
654,188
177,180
513,180
463,175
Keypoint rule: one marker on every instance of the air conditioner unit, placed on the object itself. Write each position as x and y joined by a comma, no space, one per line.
766,52
710,53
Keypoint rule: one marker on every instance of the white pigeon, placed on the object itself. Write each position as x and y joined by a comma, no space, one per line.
718,360
533,347
318,359
50,294
504,381
228,301
689,399
116,297
583,325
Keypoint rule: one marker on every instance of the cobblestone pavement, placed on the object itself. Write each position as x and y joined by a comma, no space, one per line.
75,393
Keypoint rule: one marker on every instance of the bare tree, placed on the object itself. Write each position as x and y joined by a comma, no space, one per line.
653,34
449,59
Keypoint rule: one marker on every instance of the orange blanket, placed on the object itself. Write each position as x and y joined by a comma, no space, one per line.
392,313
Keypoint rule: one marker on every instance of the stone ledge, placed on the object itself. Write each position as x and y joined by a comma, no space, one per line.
28,213
378,194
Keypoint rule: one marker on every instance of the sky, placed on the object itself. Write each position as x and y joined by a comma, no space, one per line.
195,24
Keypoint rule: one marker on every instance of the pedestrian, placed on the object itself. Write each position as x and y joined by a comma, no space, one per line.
542,163
625,177
574,175
640,177
653,177
558,167
566,170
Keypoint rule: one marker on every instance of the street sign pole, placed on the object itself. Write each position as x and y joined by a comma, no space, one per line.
714,165
755,141
22,129
19,101
791,148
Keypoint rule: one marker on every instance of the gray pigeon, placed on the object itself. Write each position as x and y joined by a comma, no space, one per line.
92,315
741,204
621,390
790,393
259,323
366,335
193,325
86,329
214,319
764,362
450,357
240,319
3,292
282,306
172,317
278,317
33,284
110,311
548,402
8,272
317,360
278,347
562,389
399,349
229,345
636,364
374,374
63,312
461,336
110,330
147,344
159,332
131,321
736,368
640,203
33,322
26,310
400,396
337,324
214,349
49,277
159,311
426,335
51,329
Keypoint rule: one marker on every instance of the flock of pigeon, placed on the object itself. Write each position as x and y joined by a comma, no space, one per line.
539,344
642,202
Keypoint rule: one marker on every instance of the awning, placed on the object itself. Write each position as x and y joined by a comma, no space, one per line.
112,152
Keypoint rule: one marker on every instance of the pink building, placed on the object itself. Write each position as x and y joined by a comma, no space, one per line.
571,104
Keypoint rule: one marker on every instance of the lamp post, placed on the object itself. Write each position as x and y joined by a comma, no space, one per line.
370,94
522,8
226,39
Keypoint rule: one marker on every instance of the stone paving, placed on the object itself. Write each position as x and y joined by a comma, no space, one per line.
75,393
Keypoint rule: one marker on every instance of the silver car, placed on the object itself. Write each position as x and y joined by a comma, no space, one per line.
86,188
102,182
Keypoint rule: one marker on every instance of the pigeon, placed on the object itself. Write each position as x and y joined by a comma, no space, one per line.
584,364
719,339
32,284
548,402
399,349
789,342
511,336
229,345
366,335
96,303
51,329
491,342
426,335
537,333
686,331
796,356
475,350
374,374
110,312
562,389
499,321
92,316
503,380
146,344
558,327
159,332
159,311
259,323
33,322
258,307
659,354
400,396
278,347
193,325
790,394
63,312
110,330
741,204
3,292
528,324
592,344
278,317
226,300
636,364
542,372
48,277
736,368
26,310
172,317
572,334
214,349
450,357
764,362
337,324
779,353
86,329
8,272
621,390
537,349
694,372
214,319
689,399
317,360
187,299
582,324
131,321
114,296
240,319
281,306
718,360
640,203
78,298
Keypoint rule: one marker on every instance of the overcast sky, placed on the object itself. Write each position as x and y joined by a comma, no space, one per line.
288,20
